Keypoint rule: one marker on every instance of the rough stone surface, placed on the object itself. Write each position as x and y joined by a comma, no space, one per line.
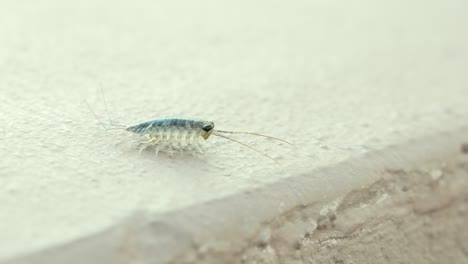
405,217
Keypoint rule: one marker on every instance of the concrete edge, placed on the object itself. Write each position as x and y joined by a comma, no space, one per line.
228,225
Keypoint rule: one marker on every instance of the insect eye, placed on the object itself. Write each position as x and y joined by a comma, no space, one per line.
208,127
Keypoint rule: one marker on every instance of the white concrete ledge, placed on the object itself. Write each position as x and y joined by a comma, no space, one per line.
222,231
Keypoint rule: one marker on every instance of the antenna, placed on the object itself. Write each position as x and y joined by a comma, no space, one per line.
247,146
107,126
255,134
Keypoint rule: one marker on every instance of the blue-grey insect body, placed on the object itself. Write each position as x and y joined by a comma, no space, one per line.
153,126
179,126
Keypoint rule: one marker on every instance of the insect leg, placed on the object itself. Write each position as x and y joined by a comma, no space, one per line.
143,147
171,152
152,141
197,144
187,139
156,150
179,142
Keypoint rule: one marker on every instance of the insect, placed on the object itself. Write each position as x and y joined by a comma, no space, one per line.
179,133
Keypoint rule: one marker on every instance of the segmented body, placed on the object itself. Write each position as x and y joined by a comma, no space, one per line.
169,133
167,125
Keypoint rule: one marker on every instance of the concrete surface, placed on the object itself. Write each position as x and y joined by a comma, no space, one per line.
341,80
414,212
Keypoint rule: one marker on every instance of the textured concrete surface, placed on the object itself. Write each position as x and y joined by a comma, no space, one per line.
339,79
414,212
